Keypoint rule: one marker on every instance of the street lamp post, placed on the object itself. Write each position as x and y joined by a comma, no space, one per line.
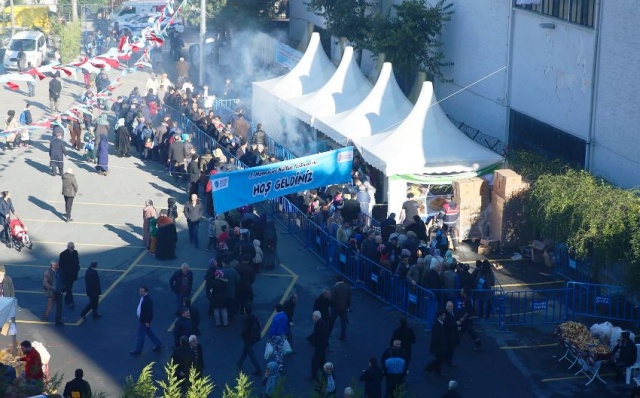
203,32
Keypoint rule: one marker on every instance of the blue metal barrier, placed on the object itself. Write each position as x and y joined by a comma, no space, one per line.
569,268
530,307
601,301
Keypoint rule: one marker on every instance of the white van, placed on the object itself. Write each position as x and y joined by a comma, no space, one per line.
131,8
34,45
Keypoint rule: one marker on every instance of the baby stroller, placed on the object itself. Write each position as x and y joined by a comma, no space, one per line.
19,235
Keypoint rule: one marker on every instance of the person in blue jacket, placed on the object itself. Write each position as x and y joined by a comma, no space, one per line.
278,333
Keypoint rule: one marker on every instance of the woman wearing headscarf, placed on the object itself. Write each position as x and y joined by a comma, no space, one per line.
270,381
11,124
123,141
167,237
102,131
148,213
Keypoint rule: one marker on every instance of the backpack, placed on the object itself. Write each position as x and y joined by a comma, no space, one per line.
23,118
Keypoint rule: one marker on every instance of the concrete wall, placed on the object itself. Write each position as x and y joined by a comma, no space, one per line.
298,18
616,148
552,72
476,40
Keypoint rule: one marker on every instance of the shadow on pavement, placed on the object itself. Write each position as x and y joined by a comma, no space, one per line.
38,166
46,206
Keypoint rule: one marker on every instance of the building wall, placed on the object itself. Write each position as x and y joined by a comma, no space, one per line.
552,72
616,146
476,40
299,17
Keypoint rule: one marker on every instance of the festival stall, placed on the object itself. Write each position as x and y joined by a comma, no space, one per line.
425,148
382,109
312,72
347,88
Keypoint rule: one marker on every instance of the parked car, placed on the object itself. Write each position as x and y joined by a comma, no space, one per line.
32,42
136,25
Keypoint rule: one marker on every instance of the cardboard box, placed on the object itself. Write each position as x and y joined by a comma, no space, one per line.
504,180
497,209
512,190
484,250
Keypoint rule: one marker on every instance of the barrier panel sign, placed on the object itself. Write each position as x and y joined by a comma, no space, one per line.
287,56
238,188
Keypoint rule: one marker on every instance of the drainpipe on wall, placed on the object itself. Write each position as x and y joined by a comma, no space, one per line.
588,162
508,89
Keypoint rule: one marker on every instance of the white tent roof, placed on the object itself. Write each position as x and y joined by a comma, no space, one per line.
346,89
384,107
310,74
425,143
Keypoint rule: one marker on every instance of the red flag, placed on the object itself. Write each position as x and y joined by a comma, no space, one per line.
114,63
35,73
66,71
98,64
12,86
82,61
45,124
124,57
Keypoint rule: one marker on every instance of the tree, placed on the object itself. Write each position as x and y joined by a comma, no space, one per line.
144,387
172,386
347,18
410,37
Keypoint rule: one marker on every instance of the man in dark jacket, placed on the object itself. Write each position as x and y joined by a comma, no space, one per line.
407,337
55,88
372,378
78,387
628,353
176,158
193,169
57,152
320,341
340,304
92,283
438,346
250,336
394,367
451,332
69,191
193,212
181,283
182,358
145,315
323,303
69,266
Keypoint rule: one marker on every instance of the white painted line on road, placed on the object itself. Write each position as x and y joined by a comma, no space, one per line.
74,222
90,244
521,347
48,266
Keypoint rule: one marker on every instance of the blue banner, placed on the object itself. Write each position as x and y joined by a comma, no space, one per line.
287,56
235,189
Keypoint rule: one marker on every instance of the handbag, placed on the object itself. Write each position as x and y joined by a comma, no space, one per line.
286,347
268,350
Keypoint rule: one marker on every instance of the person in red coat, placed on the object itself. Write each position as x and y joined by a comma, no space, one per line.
33,366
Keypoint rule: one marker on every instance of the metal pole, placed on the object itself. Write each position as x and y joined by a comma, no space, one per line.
203,32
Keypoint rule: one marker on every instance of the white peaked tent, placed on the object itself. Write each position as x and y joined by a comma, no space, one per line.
345,90
384,107
425,143
310,74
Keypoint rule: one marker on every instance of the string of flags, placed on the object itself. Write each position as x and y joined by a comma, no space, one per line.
152,37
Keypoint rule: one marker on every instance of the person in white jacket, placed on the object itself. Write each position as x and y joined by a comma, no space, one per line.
257,260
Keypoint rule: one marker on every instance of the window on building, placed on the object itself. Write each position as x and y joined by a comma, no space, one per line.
529,134
581,12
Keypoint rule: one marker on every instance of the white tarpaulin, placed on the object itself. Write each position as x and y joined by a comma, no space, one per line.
384,107
425,143
345,90
8,307
310,74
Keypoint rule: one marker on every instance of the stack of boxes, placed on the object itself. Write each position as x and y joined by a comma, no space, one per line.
472,196
506,183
